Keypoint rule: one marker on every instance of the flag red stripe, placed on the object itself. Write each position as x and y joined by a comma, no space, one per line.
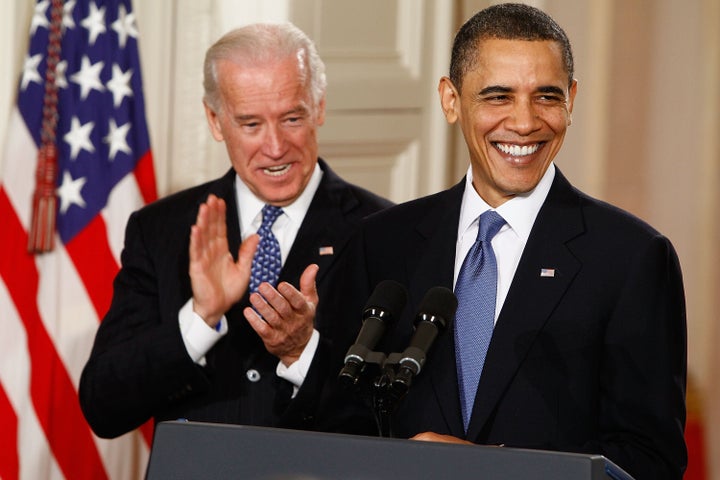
9,460
695,438
53,395
95,263
147,431
145,175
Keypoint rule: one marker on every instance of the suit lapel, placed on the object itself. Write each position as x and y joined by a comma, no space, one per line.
324,225
226,191
224,188
545,271
435,268
324,230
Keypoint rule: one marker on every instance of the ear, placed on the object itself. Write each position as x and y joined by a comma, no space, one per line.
449,99
320,112
213,122
571,100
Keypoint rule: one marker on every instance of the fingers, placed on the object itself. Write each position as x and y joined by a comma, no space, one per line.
275,305
216,207
284,317
217,281
247,252
437,437
286,300
257,323
211,216
210,230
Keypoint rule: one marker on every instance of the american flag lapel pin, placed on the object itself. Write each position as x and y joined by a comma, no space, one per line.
547,272
326,250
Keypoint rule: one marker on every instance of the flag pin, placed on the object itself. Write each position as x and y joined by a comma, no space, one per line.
326,250
547,272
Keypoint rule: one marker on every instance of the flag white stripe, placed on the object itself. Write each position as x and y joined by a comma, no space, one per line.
124,457
124,199
67,314
36,460
19,167
66,309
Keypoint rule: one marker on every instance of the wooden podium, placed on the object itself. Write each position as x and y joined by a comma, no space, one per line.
191,450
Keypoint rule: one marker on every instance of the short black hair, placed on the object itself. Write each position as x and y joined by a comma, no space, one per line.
507,21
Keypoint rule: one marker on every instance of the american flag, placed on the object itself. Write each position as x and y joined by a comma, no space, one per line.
51,303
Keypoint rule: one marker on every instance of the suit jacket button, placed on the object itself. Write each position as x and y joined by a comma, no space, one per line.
253,375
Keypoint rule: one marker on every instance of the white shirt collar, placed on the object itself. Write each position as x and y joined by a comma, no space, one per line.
519,212
250,207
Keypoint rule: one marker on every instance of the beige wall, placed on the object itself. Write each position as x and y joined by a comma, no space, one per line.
644,134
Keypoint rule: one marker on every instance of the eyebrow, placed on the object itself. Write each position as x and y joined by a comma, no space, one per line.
493,89
552,89
299,110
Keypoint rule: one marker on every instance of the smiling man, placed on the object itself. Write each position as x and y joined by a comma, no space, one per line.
215,313
570,330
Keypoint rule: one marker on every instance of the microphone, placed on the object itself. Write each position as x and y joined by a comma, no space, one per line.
382,309
436,311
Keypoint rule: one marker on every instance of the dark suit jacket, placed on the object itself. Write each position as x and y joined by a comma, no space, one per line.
139,367
590,360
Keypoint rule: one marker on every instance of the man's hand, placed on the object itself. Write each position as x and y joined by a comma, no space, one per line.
436,437
217,280
288,315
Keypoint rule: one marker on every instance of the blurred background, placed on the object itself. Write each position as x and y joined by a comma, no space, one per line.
645,133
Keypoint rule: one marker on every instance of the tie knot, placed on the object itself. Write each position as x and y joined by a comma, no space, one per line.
490,224
270,213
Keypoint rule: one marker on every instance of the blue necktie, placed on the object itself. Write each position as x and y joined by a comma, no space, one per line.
476,291
267,261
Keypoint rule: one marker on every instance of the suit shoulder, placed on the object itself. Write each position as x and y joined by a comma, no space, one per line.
369,202
601,211
413,210
183,201
616,225
353,199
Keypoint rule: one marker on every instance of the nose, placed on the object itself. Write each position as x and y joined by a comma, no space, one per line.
524,118
274,145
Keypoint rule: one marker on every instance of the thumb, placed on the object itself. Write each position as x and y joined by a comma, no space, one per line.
307,283
247,252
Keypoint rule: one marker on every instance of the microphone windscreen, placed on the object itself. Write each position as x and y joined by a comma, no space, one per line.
389,296
438,302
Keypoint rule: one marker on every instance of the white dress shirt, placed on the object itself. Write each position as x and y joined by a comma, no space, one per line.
519,213
197,335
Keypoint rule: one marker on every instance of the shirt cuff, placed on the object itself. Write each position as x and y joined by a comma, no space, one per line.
198,336
297,372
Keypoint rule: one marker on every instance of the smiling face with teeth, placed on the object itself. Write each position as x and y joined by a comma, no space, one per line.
268,121
514,107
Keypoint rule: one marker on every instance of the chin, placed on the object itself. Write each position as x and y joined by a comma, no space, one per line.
518,187
282,198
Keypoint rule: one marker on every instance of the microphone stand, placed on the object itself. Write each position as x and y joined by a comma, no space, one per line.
381,383
392,375
382,404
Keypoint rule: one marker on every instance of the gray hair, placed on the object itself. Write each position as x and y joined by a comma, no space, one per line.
261,43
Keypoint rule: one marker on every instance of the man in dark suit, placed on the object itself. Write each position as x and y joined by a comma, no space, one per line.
588,348
189,333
